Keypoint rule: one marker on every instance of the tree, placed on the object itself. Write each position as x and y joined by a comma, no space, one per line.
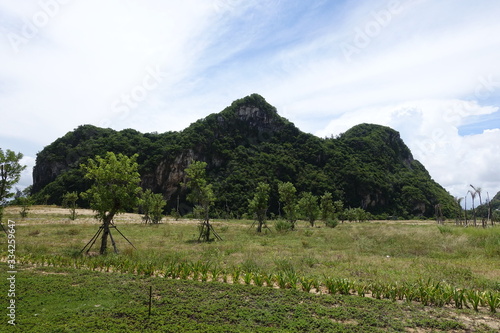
69,201
287,197
478,191
115,189
489,209
10,173
25,202
152,206
473,196
339,210
259,204
458,202
326,206
202,196
308,204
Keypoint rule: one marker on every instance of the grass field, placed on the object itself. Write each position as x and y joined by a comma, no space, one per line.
61,293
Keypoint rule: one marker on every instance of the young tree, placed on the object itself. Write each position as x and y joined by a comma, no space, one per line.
308,204
259,204
326,206
25,202
489,209
458,202
10,173
339,210
69,201
287,197
152,206
473,196
202,196
478,192
115,189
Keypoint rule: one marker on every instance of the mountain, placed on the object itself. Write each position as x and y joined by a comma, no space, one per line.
368,166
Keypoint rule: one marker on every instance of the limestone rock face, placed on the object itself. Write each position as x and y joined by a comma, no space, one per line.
368,166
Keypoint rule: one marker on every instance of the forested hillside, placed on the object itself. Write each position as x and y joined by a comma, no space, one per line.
368,166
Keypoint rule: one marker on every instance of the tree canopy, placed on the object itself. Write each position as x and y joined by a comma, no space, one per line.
115,188
10,173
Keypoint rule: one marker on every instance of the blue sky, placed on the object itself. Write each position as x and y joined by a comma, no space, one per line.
428,69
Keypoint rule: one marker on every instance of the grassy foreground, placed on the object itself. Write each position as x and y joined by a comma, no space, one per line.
53,296
68,300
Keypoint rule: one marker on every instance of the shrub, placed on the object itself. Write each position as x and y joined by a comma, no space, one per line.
282,225
331,223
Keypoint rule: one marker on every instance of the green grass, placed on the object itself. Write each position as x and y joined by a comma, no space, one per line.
69,300
371,252
358,258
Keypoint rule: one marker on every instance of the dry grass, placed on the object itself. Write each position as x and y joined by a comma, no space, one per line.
372,251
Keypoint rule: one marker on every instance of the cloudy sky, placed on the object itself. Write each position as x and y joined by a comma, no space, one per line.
429,69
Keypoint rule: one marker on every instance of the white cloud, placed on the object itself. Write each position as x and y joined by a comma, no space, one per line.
425,69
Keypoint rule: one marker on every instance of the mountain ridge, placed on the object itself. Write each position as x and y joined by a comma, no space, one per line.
367,166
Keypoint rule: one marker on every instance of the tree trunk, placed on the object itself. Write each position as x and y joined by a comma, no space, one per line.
105,232
465,210
259,226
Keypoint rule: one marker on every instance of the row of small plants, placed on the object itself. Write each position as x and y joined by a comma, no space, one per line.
426,292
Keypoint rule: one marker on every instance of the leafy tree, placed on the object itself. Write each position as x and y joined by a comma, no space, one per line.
287,197
308,204
69,201
152,206
115,188
326,206
25,202
201,195
356,214
260,203
338,209
10,173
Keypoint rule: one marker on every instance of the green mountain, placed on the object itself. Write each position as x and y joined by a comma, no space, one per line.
368,166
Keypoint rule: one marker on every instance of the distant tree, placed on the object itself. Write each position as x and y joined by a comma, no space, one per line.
69,201
473,196
10,172
356,214
308,205
339,210
326,206
25,202
287,197
202,196
465,210
115,188
490,211
152,206
478,192
495,216
258,205
458,202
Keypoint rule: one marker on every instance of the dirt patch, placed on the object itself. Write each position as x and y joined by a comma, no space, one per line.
478,322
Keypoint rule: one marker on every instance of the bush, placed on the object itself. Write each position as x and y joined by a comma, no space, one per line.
331,223
282,225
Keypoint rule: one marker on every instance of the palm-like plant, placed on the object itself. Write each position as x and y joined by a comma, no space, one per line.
473,196
478,191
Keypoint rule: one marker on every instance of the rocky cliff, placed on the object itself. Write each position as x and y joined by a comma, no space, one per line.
368,166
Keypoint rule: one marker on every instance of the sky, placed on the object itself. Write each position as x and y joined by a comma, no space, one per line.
428,69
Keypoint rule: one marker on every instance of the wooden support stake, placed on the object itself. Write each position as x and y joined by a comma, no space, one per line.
150,299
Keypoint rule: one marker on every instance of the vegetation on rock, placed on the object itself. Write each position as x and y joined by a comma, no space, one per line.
368,166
